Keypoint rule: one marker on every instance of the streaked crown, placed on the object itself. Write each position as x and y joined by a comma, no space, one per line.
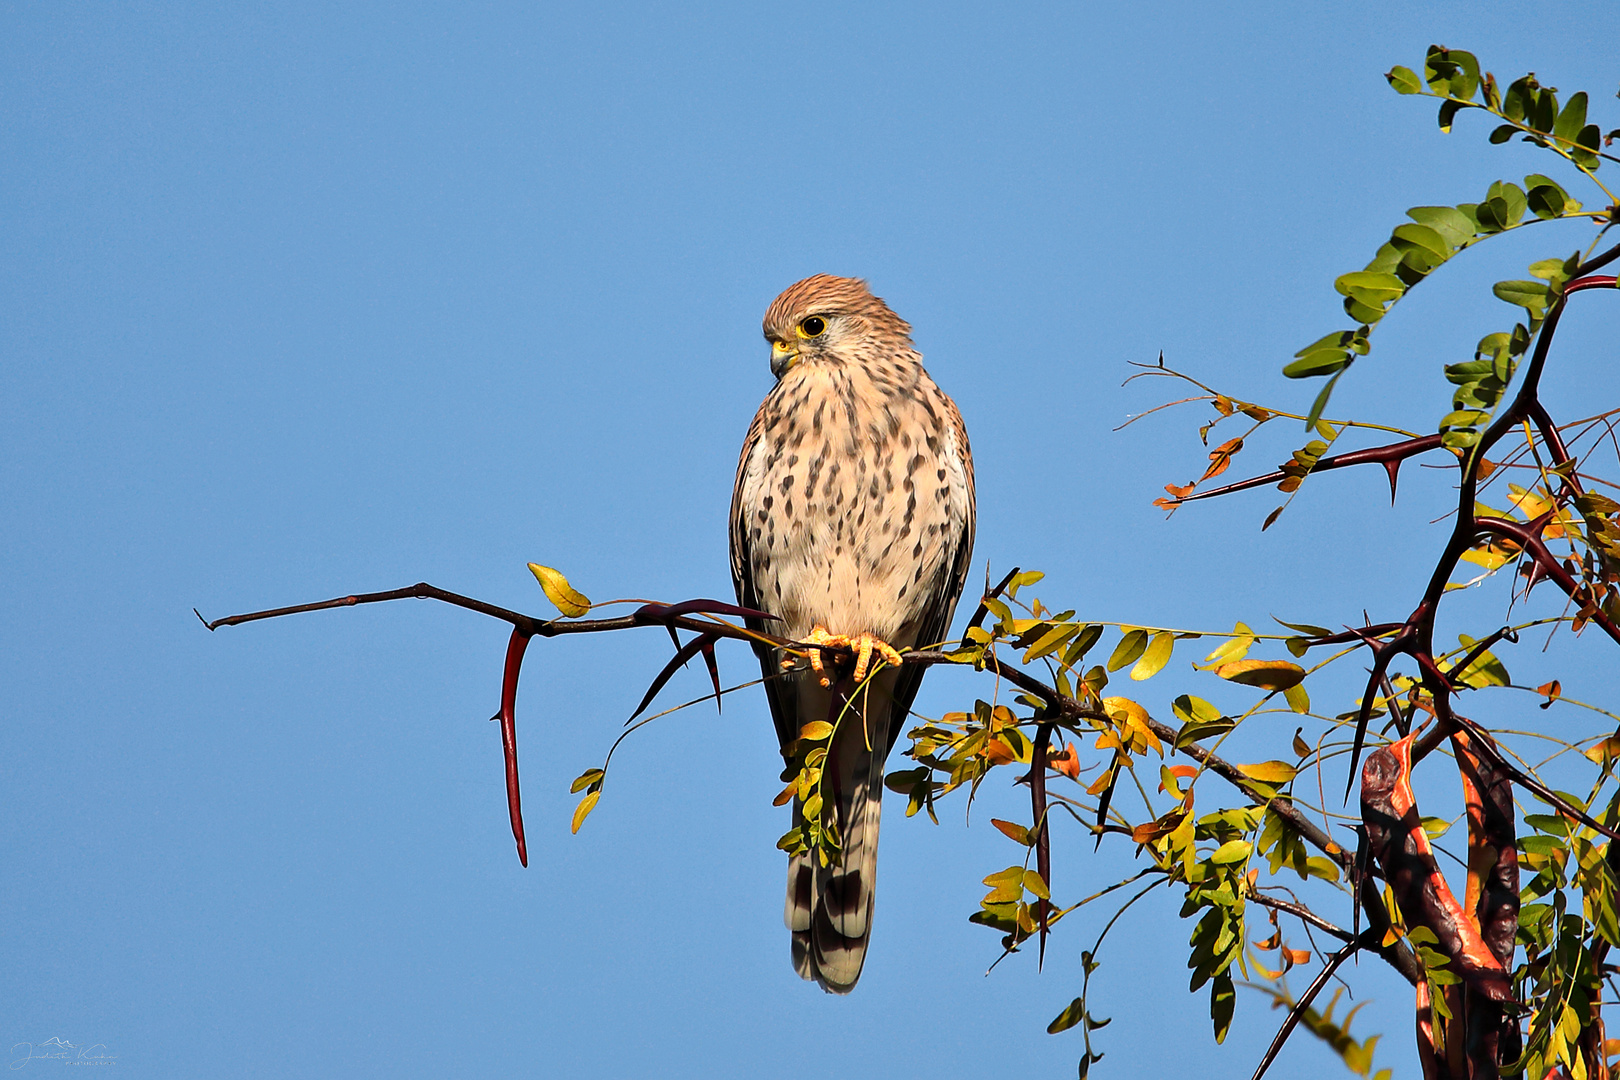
830,296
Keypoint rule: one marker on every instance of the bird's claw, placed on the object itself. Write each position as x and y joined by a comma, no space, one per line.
863,645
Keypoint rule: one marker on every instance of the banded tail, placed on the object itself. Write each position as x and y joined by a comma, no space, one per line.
829,909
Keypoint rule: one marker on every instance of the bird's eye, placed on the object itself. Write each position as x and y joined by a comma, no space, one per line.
814,326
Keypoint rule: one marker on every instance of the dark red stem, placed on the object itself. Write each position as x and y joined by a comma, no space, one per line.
509,684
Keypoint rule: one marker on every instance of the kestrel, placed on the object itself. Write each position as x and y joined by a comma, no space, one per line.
852,522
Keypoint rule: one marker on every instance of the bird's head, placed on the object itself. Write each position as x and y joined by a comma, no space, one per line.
830,318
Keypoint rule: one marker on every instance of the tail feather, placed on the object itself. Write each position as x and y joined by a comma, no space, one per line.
829,908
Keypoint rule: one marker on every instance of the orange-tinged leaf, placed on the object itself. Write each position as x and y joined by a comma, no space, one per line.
1606,750
1066,762
1014,831
997,750
1267,972
1223,404
1266,674
1180,492
569,601
1298,956
1220,458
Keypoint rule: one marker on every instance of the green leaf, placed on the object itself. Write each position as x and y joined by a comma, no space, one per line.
1321,362
1068,1017
1130,647
1305,628
1233,851
1156,655
1525,294
1222,1001
1448,113
1051,641
1463,418
1492,215
1511,195
1424,237
1310,421
1404,80
1384,287
1546,201
1199,720
568,600
1572,118
1457,227
1585,150
1486,669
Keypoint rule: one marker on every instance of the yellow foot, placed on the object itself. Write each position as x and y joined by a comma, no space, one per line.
863,645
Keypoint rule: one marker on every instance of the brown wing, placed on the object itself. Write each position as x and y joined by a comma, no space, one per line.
779,692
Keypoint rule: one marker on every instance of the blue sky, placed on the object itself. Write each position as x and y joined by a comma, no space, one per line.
313,299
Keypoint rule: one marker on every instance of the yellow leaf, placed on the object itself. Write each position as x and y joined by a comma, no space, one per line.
1036,884
1266,674
815,730
586,805
569,601
1490,556
1123,711
1298,699
1270,772
1156,656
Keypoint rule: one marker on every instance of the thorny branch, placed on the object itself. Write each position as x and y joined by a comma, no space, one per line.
1412,637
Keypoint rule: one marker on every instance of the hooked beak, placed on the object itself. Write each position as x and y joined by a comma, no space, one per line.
783,357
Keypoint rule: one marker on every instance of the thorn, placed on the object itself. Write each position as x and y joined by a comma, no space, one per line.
1393,467
714,673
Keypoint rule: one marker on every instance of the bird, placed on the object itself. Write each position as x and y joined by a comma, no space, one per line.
851,523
